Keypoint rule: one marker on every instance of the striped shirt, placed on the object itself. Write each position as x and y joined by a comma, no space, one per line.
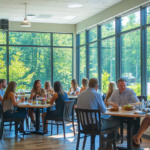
90,99
121,99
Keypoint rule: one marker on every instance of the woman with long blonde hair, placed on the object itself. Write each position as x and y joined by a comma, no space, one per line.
112,86
48,87
9,103
74,87
85,84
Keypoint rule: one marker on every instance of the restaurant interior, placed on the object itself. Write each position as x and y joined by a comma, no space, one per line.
62,48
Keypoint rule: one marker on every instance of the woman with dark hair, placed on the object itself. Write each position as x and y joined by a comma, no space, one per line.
9,103
59,97
74,87
36,91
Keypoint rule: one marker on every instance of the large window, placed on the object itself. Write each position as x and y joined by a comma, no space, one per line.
82,64
30,58
93,35
3,62
62,63
93,63
82,38
131,62
108,63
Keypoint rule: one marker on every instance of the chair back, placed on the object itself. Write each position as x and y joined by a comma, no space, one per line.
89,121
68,110
1,121
142,97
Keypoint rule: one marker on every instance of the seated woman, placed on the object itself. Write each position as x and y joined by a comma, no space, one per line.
9,103
36,91
85,84
48,88
59,97
74,88
112,86
136,138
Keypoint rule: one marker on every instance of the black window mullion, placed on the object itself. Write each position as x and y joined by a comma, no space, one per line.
87,54
7,56
99,57
52,81
143,51
118,47
78,59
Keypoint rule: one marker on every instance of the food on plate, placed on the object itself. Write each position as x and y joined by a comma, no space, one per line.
48,101
39,102
128,107
114,109
34,102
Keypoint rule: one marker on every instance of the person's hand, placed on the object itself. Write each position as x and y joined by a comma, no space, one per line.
115,105
22,99
1,99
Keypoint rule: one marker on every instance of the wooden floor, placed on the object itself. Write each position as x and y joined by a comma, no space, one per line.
48,141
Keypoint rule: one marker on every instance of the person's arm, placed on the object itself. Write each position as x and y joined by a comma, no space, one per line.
77,91
1,99
12,97
55,96
31,96
133,98
101,104
111,100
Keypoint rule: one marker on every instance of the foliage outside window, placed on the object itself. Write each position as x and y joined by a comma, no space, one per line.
2,37
93,64
131,62
93,35
130,21
108,63
82,38
82,64
108,29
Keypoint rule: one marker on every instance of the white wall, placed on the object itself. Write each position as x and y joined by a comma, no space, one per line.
49,27
111,12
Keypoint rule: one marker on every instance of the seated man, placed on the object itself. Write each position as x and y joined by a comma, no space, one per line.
3,85
90,99
124,96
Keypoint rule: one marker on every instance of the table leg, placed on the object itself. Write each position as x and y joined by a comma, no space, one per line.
37,119
129,133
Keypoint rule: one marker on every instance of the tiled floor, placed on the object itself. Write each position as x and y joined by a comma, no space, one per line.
48,141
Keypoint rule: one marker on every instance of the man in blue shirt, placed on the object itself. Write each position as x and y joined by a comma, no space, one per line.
90,99
3,85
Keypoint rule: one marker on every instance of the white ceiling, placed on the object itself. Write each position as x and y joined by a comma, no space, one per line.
14,10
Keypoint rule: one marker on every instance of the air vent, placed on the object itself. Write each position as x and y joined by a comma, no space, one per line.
31,15
44,16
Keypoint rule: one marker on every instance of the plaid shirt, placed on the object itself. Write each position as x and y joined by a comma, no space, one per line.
128,96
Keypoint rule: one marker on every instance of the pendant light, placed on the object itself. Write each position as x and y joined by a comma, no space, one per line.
25,22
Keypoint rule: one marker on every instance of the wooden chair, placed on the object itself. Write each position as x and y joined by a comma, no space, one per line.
68,111
2,120
88,124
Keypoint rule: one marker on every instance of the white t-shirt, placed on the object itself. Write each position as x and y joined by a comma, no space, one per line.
77,90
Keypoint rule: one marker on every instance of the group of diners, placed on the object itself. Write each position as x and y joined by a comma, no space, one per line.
8,98
88,98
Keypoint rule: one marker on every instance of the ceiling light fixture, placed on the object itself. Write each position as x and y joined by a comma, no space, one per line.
69,17
25,22
74,5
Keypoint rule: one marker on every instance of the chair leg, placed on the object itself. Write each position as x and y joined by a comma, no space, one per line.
10,125
73,126
23,127
64,129
100,143
114,141
85,137
1,131
16,127
78,140
121,131
92,142
57,127
44,125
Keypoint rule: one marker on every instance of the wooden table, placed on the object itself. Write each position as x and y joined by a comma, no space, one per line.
129,115
38,107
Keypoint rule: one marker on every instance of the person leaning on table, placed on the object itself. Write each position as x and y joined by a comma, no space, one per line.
3,84
9,103
91,99
124,96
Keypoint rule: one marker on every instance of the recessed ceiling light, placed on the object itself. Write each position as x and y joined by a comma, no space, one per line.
69,17
74,5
